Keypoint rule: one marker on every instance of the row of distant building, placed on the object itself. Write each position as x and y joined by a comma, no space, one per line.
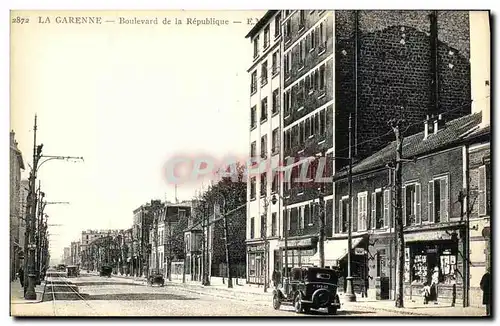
166,238
309,72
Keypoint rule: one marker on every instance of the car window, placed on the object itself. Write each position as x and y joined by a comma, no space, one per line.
323,276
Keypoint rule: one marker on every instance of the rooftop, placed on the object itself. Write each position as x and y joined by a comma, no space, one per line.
261,23
454,133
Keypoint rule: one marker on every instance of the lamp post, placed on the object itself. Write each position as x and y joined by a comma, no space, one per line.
266,241
350,296
274,200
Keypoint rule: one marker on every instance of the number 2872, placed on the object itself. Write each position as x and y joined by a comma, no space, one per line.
20,20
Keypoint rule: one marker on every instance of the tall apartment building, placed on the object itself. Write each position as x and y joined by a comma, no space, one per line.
367,65
265,144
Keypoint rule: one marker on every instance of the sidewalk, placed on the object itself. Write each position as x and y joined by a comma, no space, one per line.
414,308
17,293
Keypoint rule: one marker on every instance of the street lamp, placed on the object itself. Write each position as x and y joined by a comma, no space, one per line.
31,219
274,200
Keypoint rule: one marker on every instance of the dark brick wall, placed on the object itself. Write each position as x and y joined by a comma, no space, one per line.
394,69
344,81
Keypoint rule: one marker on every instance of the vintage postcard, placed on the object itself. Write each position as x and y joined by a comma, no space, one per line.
331,163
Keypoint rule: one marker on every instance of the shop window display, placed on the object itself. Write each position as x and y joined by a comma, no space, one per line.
422,260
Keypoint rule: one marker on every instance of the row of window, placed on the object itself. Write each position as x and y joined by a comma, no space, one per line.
263,145
267,33
263,185
307,128
374,210
303,215
294,98
316,39
264,72
263,225
300,27
381,206
263,109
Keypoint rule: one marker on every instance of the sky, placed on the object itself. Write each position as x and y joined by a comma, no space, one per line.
126,98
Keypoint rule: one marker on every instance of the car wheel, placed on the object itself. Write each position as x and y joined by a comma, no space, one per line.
276,301
297,304
307,310
332,310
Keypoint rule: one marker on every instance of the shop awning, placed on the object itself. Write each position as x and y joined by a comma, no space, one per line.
335,250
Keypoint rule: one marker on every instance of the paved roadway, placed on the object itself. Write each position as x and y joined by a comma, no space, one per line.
119,297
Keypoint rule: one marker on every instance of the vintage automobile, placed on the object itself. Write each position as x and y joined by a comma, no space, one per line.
308,288
157,279
72,271
106,271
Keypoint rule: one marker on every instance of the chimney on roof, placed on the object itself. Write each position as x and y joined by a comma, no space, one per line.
479,27
439,123
428,126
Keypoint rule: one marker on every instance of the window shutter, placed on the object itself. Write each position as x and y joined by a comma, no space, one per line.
360,210
373,219
338,220
404,206
482,190
302,217
352,214
387,204
444,199
365,212
418,208
431,201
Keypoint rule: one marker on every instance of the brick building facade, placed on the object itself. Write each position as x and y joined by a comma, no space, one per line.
434,219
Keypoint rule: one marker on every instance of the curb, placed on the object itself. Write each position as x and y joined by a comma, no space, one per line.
405,311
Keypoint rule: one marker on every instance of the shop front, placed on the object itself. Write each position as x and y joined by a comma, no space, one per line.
255,263
298,252
433,262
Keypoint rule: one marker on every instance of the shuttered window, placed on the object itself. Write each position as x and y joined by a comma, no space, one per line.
373,215
438,200
362,211
387,208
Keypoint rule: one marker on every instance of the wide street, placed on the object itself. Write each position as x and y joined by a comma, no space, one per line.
122,297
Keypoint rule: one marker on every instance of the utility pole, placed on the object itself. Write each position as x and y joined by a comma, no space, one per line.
226,241
206,280
321,244
30,293
399,302
350,296
321,218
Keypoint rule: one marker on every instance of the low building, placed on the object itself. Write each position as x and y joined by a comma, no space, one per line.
166,236
439,161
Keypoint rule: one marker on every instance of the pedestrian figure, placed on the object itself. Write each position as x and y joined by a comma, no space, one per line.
276,277
426,292
21,276
454,291
486,288
434,283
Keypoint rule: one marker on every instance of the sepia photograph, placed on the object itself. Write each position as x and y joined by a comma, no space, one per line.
316,163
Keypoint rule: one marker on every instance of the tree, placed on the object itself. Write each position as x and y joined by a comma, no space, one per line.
230,194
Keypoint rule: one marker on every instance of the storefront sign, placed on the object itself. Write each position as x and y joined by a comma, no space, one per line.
297,243
256,248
